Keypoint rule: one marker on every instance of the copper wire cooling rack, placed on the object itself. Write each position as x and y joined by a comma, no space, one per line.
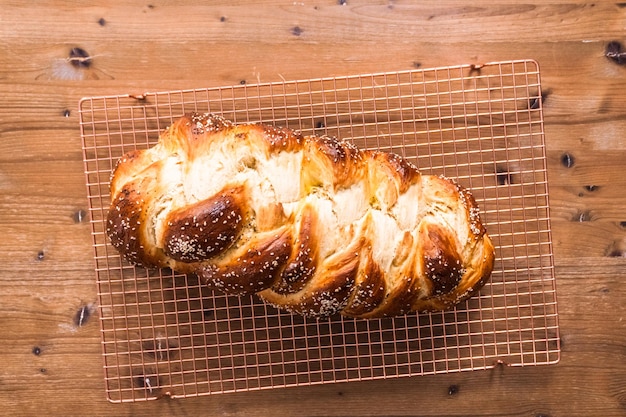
164,334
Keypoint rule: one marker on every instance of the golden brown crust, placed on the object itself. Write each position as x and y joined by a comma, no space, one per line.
312,224
205,228
302,263
251,269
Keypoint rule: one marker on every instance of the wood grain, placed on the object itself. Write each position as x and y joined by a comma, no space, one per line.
52,364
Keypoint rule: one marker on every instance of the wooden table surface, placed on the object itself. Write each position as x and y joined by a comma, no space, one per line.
52,366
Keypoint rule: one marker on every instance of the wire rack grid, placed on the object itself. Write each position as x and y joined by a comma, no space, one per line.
164,334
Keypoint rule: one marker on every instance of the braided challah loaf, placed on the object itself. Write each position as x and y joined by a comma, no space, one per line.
312,224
